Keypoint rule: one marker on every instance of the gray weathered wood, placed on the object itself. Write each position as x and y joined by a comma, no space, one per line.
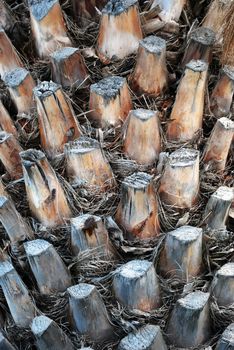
49,270
150,75
68,67
181,256
21,306
136,285
20,85
226,341
148,337
5,344
200,45
222,287
179,184
142,140
110,101
87,165
9,155
89,313
217,208
88,232
137,211
49,336
119,30
45,194
57,120
15,225
189,323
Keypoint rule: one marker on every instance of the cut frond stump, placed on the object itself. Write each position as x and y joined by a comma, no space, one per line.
218,144
49,270
142,140
150,75
119,31
136,286
48,26
49,336
179,186
5,344
6,123
226,340
110,101
137,212
182,253
20,84
216,17
222,95
89,313
187,113
217,208
57,121
68,67
148,337
88,232
9,155
200,45
170,10
16,293
9,58
87,165
46,197
222,287
84,11
16,227
189,323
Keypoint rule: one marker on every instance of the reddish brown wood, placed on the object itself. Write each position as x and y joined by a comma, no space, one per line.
57,120
119,31
6,123
68,67
110,101
48,26
85,11
150,75
46,197
137,211
9,155
9,58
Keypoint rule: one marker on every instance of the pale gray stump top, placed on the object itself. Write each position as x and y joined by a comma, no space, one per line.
45,89
82,221
40,324
226,123
134,269
183,157
138,180
15,77
186,233
4,136
141,339
143,114
31,157
81,290
228,334
226,270
153,44
194,301
40,8
224,193
36,247
116,7
197,65
108,87
64,53
83,144
229,71
204,36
